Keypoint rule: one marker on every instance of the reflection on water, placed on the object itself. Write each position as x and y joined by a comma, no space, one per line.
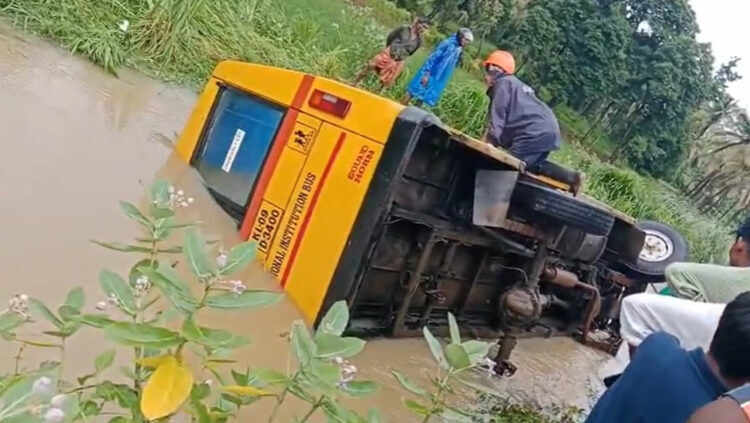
77,140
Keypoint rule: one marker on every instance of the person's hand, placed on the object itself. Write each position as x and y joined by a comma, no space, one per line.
425,79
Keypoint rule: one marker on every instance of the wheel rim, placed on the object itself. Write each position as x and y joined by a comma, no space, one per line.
657,247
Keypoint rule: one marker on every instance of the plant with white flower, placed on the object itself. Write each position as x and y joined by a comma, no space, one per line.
453,360
323,371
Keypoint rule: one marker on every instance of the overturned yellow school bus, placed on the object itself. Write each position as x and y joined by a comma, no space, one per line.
353,197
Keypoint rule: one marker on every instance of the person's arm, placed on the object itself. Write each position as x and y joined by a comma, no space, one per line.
686,281
498,112
724,410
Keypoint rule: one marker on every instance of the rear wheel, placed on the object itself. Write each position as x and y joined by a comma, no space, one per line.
663,246
562,207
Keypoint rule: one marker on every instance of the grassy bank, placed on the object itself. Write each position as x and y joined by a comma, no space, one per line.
181,41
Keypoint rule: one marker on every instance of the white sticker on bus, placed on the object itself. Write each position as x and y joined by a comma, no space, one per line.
233,149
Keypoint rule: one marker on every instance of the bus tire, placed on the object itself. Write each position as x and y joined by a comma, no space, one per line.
562,207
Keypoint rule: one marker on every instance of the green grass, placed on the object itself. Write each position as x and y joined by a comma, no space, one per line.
181,41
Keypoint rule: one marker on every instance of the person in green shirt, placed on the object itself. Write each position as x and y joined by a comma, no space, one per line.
710,283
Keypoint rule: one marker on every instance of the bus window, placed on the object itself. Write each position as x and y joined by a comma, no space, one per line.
235,145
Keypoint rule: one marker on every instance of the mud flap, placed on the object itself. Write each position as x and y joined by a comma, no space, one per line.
492,192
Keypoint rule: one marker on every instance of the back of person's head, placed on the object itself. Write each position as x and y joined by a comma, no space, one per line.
731,343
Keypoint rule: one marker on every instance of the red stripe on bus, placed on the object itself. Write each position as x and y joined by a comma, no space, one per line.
311,208
285,131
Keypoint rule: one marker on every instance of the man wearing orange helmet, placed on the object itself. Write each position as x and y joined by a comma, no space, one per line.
517,120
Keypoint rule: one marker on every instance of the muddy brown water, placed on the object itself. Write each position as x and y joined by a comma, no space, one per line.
76,140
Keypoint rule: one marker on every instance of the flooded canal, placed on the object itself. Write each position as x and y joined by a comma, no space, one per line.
77,140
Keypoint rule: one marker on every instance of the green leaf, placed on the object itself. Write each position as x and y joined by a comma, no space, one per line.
159,192
195,253
169,283
200,392
457,357
104,360
477,350
271,377
359,388
127,248
407,384
114,286
335,320
161,213
96,320
68,313
455,332
213,338
132,212
76,298
9,321
302,343
91,409
239,257
125,396
416,407
141,334
329,346
435,348
38,307
248,299
326,373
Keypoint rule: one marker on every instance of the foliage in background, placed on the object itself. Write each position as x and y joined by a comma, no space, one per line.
168,39
138,315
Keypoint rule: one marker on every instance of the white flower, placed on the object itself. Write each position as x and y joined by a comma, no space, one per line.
54,415
191,200
221,260
19,304
42,386
181,193
59,400
124,25
142,286
171,189
101,305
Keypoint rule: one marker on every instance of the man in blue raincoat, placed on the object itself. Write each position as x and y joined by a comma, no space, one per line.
430,81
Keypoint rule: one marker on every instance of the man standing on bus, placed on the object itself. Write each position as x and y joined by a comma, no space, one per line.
517,120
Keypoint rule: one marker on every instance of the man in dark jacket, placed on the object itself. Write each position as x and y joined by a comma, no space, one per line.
517,120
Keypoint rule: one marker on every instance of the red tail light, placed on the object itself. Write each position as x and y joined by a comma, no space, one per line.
329,103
